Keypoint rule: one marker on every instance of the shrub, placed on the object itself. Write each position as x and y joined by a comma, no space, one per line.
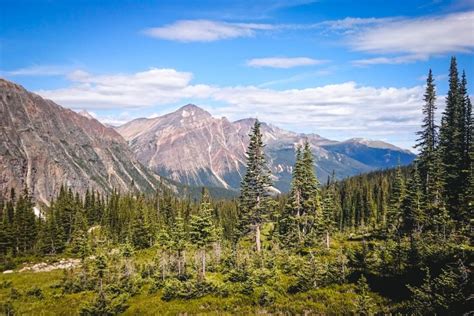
266,298
105,305
5,284
35,292
175,289
7,309
15,294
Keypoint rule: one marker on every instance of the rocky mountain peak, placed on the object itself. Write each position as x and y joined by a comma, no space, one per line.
372,143
86,114
192,110
44,146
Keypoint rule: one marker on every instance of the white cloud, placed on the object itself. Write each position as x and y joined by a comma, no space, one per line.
350,24
344,108
151,87
389,60
295,78
284,62
38,70
205,30
338,106
425,36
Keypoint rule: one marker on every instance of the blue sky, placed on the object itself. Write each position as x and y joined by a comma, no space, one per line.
338,68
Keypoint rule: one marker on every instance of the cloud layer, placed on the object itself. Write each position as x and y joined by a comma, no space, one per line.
284,62
347,106
409,39
141,89
205,30
421,36
395,40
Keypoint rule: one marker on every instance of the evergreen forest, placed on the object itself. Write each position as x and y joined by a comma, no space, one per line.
389,241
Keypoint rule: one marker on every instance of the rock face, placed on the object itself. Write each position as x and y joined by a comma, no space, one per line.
43,145
47,267
194,148
189,146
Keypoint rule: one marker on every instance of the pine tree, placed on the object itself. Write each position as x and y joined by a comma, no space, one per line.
202,233
364,303
428,139
452,144
329,210
470,181
254,191
8,239
4,242
178,238
302,215
466,128
395,216
141,234
397,196
25,223
289,222
412,205
311,194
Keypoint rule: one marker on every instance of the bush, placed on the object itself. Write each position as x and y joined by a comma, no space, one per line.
15,294
7,309
105,305
266,298
175,289
35,292
238,275
5,284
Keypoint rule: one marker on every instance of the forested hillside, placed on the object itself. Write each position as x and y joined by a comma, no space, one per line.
393,241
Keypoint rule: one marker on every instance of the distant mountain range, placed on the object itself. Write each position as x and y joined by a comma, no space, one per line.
192,147
43,146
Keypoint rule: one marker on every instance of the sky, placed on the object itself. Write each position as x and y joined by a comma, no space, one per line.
338,68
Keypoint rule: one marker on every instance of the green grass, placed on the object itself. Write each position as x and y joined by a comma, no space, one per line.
54,302
333,299
337,298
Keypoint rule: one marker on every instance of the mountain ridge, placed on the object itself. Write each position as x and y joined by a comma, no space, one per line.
44,146
210,151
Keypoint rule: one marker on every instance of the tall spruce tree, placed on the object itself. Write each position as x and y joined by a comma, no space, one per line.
395,218
429,160
412,205
254,190
289,226
428,137
178,239
470,181
311,219
202,232
328,214
25,223
452,144
303,211
466,128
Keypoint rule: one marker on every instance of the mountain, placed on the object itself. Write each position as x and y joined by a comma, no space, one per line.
191,146
43,145
374,153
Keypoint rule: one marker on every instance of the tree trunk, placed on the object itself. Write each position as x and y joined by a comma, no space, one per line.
163,267
184,261
203,257
179,263
327,239
257,238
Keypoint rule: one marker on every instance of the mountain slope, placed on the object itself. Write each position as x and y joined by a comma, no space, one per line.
188,146
43,145
373,153
192,147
